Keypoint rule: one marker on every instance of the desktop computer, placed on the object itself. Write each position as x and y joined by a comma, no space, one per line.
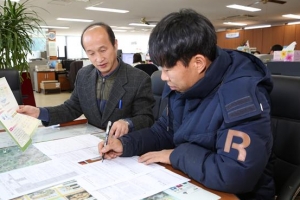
127,58
264,57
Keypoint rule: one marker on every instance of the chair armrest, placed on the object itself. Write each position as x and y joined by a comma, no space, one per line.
291,187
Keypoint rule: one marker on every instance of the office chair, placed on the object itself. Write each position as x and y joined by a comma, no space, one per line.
157,89
66,64
75,66
13,78
148,68
285,111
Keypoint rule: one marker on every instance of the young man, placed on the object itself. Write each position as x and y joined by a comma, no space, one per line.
216,127
106,90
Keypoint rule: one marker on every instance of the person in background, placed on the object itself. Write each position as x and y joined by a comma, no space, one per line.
276,47
216,127
106,90
137,59
256,52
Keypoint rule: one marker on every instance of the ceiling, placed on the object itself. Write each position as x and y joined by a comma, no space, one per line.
154,10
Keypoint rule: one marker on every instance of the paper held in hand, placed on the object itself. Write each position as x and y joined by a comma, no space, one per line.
20,127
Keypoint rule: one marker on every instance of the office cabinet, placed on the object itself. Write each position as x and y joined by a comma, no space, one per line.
42,76
61,76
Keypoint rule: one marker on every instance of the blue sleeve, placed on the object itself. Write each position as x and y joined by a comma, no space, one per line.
145,140
44,115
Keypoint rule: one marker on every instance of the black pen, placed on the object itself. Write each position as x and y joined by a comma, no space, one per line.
106,137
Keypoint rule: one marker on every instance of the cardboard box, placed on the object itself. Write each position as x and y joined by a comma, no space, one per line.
290,55
50,91
58,66
50,84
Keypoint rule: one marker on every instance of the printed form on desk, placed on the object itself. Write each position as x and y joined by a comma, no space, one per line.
77,148
120,178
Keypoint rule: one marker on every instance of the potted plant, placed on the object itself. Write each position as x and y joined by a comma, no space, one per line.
17,23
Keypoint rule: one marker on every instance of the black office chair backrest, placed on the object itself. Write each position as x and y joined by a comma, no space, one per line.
66,64
285,110
13,78
157,89
75,66
148,68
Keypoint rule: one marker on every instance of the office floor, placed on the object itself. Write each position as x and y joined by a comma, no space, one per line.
43,100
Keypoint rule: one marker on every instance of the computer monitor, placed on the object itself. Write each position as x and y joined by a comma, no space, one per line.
127,58
264,57
284,68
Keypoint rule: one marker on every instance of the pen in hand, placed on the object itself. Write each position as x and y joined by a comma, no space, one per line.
106,137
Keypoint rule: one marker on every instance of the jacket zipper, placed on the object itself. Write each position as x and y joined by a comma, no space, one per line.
102,94
168,120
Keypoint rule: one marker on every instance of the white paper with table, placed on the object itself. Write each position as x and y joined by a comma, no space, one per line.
120,178
75,149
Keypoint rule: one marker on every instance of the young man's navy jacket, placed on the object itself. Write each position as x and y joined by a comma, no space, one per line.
220,129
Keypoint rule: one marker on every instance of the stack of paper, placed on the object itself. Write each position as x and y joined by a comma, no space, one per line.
75,171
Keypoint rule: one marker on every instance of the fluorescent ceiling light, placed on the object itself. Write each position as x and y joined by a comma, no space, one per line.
139,24
75,20
291,23
122,27
106,9
56,27
118,30
260,26
292,16
240,7
235,23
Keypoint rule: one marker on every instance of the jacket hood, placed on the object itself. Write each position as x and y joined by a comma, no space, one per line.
228,65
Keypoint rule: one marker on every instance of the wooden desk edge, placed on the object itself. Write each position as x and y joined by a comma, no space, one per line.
223,195
75,122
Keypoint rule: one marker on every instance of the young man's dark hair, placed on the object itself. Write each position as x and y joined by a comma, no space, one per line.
180,36
108,29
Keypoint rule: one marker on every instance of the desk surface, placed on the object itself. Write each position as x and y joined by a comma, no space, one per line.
223,195
12,158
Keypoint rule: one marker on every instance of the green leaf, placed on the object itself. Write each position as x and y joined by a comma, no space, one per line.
17,20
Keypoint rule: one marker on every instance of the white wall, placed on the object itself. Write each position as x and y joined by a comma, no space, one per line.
128,42
133,42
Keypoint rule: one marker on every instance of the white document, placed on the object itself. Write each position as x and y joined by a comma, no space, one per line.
75,149
25,180
20,127
78,155
191,192
140,187
102,174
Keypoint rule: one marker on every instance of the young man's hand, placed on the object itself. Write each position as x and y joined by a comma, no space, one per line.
156,156
113,149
